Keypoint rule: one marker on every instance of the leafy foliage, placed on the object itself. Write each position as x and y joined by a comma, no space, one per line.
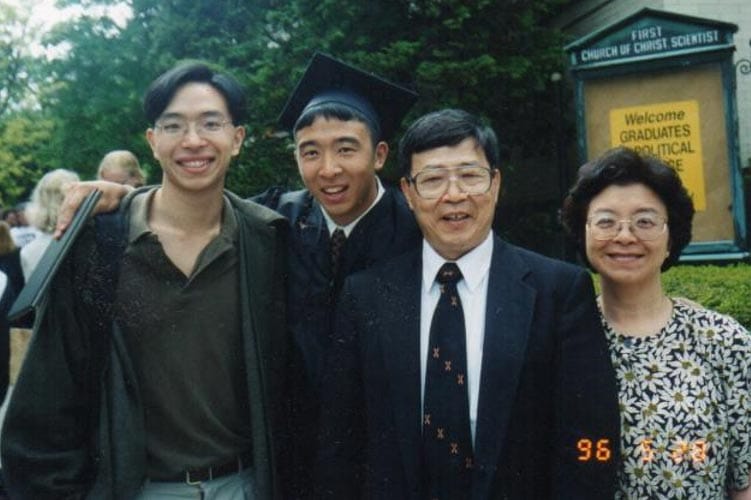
16,62
20,137
493,58
726,289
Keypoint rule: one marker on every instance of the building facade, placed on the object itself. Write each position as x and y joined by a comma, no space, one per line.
587,16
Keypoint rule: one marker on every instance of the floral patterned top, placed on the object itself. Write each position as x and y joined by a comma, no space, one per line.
685,407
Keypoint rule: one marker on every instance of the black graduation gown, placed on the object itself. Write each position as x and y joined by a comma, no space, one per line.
387,230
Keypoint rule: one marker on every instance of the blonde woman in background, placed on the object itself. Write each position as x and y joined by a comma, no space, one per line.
42,214
121,167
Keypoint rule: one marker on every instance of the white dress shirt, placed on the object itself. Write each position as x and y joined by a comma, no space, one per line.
473,292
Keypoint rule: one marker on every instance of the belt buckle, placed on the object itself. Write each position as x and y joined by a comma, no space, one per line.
191,482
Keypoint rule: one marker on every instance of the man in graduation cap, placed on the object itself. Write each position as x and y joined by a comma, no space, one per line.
345,220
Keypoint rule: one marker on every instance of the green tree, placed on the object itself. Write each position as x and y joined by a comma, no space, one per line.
16,62
494,58
96,97
20,136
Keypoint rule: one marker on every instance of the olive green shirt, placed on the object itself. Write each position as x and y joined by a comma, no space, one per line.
183,335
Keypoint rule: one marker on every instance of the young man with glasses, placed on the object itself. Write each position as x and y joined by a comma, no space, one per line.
158,363
468,367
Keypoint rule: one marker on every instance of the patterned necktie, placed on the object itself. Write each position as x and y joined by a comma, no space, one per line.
447,439
336,250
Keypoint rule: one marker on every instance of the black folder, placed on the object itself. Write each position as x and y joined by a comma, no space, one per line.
41,278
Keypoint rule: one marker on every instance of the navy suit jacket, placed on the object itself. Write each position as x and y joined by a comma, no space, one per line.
546,384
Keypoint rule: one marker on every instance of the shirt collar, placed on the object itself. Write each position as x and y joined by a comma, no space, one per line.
332,226
139,217
474,265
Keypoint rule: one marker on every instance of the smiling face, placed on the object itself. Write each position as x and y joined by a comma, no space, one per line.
195,161
454,223
337,163
625,259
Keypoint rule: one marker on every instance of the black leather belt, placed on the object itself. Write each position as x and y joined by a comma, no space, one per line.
196,476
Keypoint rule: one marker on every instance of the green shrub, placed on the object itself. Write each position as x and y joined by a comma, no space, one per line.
726,289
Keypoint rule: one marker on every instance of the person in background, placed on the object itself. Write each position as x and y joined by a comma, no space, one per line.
121,167
10,217
158,364
683,371
7,297
10,260
22,232
6,301
466,367
42,213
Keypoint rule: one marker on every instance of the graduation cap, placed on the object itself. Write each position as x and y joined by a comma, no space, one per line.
330,81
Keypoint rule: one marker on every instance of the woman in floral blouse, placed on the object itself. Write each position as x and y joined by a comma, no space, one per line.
684,372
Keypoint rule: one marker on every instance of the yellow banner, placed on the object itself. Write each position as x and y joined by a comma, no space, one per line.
669,130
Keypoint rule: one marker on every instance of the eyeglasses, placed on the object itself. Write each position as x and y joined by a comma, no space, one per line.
206,126
646,226
433,182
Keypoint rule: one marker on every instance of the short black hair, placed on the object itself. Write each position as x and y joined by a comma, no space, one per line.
163,89
446,127
337,111
622,166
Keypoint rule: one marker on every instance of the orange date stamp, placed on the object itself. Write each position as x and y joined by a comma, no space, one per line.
590,450
681,451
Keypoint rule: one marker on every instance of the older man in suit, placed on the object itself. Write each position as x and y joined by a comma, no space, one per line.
493,385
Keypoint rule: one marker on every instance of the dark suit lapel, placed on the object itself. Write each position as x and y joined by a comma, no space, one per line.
510,307
401,348
366,244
